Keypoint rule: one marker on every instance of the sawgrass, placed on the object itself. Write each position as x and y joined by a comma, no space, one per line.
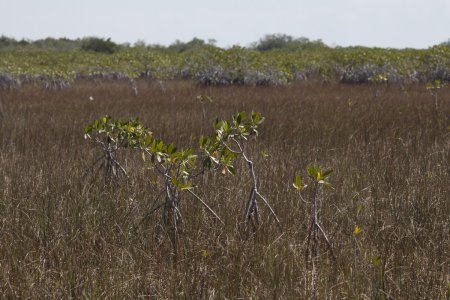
390,156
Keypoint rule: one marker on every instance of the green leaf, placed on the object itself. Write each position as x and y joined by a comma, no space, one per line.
326,174
226,126
359,207
148,139
181,185
160,145
170,149
217,124
240,117
257,119
298,184
185,186
376,261
312,172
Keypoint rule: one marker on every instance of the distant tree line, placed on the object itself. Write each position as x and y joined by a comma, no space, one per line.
267,43
62,44
7,43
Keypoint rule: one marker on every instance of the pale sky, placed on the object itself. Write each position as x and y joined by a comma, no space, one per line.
381,23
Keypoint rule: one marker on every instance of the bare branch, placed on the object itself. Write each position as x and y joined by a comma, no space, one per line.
326,240
206,206
268,205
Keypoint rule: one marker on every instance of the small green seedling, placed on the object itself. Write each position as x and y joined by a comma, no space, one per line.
318,177
433,88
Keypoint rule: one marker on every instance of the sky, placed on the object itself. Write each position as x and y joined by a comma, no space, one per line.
373,23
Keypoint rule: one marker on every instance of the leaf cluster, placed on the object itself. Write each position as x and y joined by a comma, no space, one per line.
129,134
316,174
228,139
178,165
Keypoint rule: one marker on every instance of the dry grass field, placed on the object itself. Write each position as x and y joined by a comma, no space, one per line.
390,155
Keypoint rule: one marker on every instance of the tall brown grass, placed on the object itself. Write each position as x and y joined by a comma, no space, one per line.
391,159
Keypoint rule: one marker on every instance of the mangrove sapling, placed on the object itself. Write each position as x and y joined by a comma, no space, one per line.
134,86
433,88
318,177
377,81
2,114
230,140
111,136
176,168
177,171
162,87
203,100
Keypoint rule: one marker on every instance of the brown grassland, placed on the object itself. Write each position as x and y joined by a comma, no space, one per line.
390,155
